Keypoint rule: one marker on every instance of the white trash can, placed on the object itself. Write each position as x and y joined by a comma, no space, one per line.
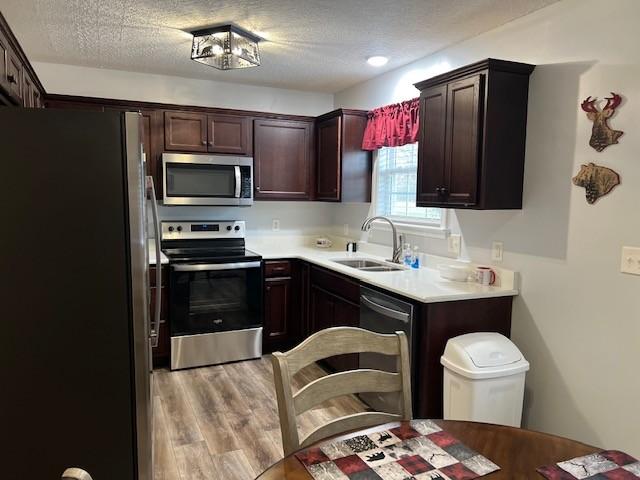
483,379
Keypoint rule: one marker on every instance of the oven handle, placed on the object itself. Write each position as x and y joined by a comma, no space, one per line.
214,266
238,180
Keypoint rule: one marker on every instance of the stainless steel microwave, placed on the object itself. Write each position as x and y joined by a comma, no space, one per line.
207,180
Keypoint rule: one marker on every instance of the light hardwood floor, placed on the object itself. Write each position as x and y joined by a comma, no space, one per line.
221,422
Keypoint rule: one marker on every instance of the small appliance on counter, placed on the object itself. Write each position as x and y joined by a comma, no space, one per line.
215,294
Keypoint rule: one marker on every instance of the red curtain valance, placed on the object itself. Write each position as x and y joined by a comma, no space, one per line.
392,125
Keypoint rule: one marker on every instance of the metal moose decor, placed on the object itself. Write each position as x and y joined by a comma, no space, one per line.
602,135
596,180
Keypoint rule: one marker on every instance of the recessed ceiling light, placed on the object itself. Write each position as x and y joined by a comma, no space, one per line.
377,61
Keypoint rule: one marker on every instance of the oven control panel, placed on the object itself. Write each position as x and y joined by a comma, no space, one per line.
180,230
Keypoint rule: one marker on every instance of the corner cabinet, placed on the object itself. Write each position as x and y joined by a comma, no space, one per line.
343,169
283,159
471,146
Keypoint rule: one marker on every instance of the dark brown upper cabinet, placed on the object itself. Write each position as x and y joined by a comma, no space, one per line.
185,132
199,132
19,85
343,169
283,159
472,136
229,134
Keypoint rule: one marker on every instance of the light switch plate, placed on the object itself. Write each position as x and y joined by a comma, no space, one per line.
497,249
275,225
454,244
630,261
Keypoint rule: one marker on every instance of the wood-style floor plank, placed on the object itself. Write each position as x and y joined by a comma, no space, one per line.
221,422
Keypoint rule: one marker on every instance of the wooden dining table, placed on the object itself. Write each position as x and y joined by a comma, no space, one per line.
518,452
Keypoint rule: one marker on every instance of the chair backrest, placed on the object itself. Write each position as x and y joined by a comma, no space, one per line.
327,343
75,474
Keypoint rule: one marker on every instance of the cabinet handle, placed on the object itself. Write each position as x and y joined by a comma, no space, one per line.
211,144
257,188
268,289
204,142
11,78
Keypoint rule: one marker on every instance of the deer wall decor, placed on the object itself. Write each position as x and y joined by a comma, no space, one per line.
596,180
602,135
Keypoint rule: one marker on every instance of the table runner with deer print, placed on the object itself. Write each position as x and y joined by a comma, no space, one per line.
420,451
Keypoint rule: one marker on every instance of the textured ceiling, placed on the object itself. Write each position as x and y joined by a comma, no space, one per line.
318,45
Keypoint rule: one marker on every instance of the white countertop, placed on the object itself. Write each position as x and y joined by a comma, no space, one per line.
151,247
423,284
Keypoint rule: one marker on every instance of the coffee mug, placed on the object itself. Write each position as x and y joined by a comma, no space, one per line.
485,276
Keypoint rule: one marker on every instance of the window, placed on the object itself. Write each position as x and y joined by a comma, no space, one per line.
395,187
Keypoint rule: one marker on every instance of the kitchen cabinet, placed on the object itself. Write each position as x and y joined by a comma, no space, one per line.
153,139
472,136
283,159
199,132
19,85
229,134
343,169
162,352
334,302
185,132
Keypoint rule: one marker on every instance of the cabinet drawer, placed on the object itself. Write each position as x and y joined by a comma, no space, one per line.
336,284
279,268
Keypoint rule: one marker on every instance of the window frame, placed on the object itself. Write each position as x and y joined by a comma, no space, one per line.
410,225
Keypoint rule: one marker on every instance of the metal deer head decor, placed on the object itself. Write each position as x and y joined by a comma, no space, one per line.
602,135
596,180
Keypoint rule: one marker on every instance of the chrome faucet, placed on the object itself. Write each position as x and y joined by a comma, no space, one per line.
397,249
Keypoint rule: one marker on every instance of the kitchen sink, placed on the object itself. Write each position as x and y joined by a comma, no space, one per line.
369,265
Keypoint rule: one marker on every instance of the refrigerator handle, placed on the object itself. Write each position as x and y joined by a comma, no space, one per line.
75,474
155,326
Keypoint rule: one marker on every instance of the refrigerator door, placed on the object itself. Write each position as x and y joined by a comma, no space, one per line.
142,333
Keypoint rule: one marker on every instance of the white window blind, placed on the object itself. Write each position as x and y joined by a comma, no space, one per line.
395,192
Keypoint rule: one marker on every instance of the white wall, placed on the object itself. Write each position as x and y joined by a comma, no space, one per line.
578,318
97,82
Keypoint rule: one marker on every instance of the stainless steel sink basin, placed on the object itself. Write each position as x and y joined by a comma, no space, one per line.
368,265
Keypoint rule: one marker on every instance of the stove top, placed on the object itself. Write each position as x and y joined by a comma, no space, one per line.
205,242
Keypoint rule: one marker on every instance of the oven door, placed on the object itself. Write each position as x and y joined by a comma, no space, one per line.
215,298
207,180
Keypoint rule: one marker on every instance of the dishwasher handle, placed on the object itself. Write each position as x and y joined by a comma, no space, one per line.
386,311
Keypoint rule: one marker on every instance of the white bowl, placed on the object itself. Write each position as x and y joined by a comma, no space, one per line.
457,273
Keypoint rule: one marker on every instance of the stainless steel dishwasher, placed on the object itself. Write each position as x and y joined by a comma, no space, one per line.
382,313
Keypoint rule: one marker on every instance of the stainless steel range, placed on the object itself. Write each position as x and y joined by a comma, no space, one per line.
215,294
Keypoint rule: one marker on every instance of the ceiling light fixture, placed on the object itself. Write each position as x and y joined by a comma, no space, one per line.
225,47
377,61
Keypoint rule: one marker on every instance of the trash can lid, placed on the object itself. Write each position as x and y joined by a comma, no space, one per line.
483,355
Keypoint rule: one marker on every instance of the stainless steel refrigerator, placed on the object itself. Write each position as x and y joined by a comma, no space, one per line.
76,335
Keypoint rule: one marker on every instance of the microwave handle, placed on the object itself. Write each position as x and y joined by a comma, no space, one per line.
238,180
155,326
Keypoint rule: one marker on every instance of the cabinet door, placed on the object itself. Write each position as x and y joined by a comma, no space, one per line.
229,134
27,91
321,309
152,140
431,145
282,159
328,159
14,75
4,53
464,99
185,132
277,309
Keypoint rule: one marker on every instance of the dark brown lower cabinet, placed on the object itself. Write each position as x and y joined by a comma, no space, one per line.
162,352
277,309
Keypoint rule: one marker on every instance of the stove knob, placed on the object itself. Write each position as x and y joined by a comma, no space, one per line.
228,227
171,229
236,228
179,229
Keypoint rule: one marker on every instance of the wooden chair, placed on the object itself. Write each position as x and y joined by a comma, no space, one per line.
327,343
75,474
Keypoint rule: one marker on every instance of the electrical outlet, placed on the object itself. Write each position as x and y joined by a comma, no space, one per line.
497,248
454,244
630,262
345,230
275,225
